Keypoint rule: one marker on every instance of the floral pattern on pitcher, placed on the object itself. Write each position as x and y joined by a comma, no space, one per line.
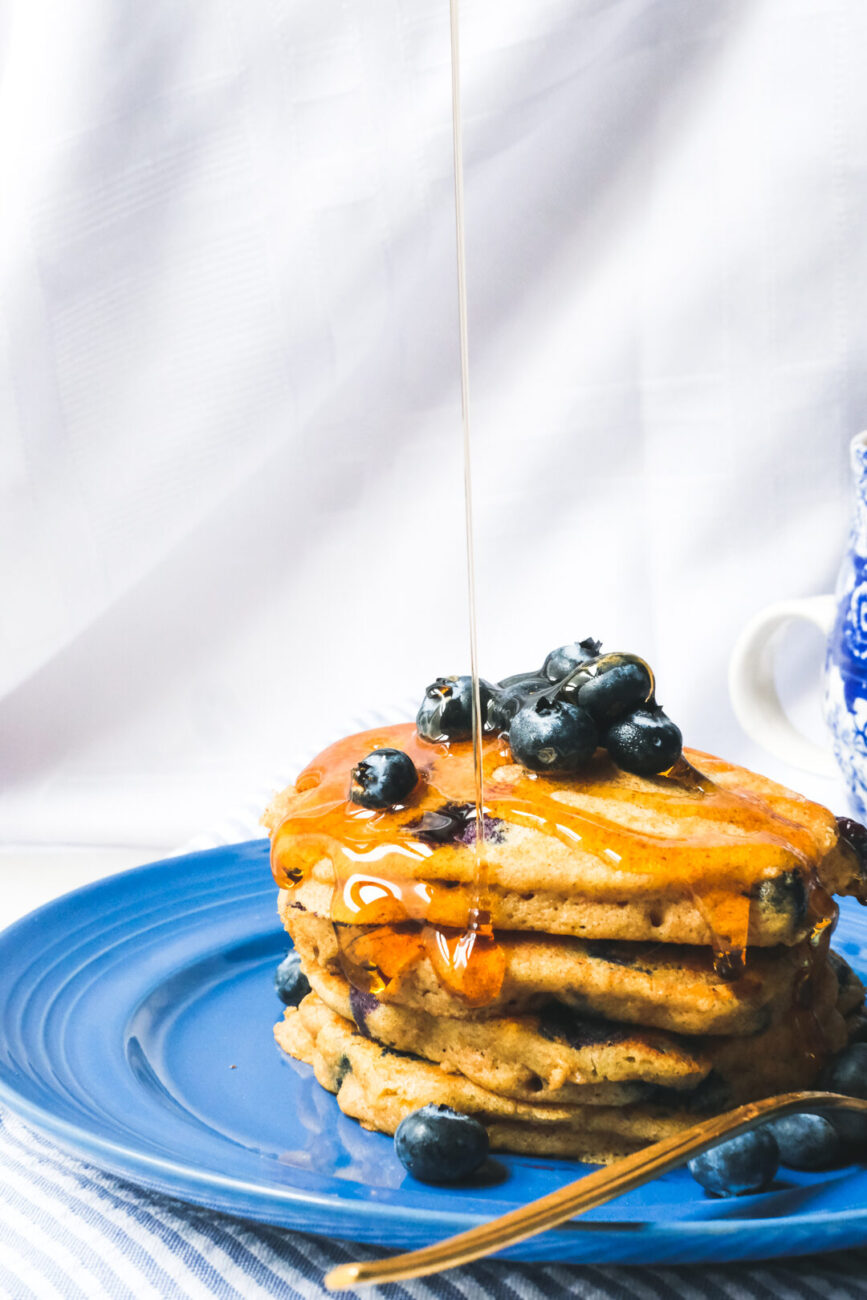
846,663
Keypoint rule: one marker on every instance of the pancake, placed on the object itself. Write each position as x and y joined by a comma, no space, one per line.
709,853
563,1057
645,950
525,1057
380,1086
666,986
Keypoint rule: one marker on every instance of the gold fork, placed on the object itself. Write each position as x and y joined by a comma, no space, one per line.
591,1190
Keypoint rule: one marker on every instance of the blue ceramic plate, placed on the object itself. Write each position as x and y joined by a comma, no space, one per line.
136,1032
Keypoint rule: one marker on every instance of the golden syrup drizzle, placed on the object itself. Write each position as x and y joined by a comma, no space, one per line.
387,915
721,843
808,1025
478,932
377,863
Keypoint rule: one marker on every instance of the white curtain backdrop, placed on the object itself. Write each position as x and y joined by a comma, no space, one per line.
231,510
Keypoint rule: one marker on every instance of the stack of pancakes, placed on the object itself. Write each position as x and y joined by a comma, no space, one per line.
641,952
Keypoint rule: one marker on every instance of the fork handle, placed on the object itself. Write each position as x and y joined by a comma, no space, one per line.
584,1194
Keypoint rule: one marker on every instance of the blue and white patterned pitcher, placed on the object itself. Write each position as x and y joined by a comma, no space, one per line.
843,619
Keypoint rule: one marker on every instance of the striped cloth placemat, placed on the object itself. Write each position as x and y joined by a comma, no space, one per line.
68,1231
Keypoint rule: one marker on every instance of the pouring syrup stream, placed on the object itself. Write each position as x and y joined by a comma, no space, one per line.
479,917
716,844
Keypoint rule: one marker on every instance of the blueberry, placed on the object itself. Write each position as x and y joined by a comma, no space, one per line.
857,1027
455,823
783,895
848,1072
566,658
383,779
510,696
741,1165
438,1145
362,1005
615,690
552,736
560,1023
852,1129
841,969
644,742
446,711
518,679
290,981
855,836
806,1141
569,688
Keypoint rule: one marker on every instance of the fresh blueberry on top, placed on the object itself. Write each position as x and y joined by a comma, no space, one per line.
566,658
290,981
383,779
517,678
439,1145
855,836
644,742
446,711
741,1165
511,695
806,1141
615,690
552,736
570,686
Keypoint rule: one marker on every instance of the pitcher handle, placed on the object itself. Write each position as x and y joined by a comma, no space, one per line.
753,689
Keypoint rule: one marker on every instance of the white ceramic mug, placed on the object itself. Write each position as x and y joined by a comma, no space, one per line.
842,619
753,688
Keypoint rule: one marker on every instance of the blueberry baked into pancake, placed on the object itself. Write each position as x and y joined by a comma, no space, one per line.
629,935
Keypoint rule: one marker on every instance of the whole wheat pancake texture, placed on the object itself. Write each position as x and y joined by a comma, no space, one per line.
654,948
